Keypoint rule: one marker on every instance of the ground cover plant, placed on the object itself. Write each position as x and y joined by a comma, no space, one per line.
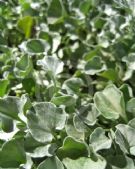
67,84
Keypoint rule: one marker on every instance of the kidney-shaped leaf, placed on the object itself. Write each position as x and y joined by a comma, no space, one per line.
51,64
131,123
9,106
130,107
23,66
84,163
94,65
88,113
35,46
110,103
99,140
51,163
72,148
7,124
41,151
36,149
120,162
125,136
12,154
130,61
72,85
44,119
14,107
66,100
72,131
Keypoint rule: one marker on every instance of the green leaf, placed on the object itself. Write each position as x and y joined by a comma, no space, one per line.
58,60
94,65
36,149
127,91
29,164
128,74
88,113
9,106
42,151
66,100
72,148
89,55
79,124
98,140
25,104
99,22
130,61
109,74
7,124
110,103
51,163
50,90
14,107
53,13
29,85
72,131
3,86
72,85
2,40
25,25
23,67
30,143
128,5
35,46
51,64
125,136
131,123
85,6
95,2
84,163
44,119
12,154
54,5
120,161
130,107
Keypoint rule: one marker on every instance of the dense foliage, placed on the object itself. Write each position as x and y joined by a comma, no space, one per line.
67,84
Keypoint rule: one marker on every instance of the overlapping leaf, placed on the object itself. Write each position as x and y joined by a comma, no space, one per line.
67,84
44,119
